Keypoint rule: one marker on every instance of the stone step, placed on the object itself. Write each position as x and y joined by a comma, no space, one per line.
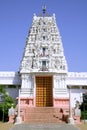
43,110
43,114
44,121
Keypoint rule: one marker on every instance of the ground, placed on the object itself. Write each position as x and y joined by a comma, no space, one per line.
82,126
7,126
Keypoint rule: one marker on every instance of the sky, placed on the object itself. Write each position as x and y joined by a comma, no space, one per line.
16,19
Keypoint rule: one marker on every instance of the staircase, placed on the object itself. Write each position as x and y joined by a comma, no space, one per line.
43,115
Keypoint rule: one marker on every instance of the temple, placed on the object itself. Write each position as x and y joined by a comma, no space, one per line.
43,76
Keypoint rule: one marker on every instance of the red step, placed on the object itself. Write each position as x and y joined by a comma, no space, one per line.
43,115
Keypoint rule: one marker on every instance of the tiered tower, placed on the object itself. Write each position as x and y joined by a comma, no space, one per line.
43,67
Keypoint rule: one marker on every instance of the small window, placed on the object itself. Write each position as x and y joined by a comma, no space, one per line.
44,29
44,37
44,23
44,49
54,51
43,65
33,50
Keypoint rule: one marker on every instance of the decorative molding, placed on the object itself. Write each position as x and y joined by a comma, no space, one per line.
43,47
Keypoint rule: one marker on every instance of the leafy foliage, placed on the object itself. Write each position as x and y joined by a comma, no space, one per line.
4,106
83,108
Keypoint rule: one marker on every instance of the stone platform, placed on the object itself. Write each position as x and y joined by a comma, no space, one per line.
45,126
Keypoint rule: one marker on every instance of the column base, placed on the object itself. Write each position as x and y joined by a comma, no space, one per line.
18,120
70,120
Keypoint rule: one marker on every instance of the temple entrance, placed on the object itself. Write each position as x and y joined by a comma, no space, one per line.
44,92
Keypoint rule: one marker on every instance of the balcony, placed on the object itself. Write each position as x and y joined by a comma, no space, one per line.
43,68
44,55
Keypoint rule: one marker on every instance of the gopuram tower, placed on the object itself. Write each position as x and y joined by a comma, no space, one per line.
43,67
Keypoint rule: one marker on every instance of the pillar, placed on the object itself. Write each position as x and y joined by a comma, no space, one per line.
18,118
70,119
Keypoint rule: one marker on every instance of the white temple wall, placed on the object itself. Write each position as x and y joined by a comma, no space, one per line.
59,86
27,81
27,86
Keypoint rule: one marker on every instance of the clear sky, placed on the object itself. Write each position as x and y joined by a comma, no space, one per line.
15,21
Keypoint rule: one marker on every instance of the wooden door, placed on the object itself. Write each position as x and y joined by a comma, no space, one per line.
44,93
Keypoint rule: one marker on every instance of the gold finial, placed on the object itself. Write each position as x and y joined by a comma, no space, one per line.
44,9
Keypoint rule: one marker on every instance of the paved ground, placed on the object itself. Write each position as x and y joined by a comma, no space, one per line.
44,127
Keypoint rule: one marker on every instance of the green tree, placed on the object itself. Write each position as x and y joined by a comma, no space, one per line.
4,106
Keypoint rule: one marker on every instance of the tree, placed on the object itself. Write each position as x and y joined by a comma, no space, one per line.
4,106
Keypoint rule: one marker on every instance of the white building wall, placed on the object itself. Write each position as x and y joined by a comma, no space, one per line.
73,79
9,78
76,95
